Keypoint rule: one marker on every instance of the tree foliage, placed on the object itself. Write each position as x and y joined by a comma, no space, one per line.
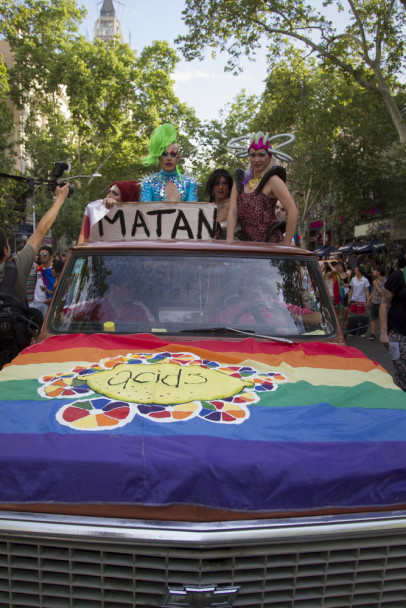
347,159
369,51
92,104
213,136
6,122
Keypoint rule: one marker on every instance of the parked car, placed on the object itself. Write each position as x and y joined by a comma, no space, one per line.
192,430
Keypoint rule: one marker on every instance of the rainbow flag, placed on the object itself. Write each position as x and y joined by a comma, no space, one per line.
247,426
338,289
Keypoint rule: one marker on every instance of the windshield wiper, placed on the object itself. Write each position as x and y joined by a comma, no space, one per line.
210,330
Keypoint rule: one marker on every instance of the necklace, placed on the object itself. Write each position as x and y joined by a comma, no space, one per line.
254,181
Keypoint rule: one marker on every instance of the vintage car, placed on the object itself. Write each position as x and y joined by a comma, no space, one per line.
191,430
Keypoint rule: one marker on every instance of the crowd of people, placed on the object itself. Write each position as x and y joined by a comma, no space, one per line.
376,292
355,289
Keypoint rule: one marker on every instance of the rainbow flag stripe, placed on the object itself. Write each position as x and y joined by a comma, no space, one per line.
238,425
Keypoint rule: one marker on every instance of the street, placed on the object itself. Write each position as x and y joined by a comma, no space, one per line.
373,349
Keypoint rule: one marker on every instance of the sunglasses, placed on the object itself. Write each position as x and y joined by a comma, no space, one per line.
174,153
113,192
261,154
43,255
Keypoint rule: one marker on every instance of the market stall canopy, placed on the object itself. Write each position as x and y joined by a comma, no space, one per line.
385,246
349,248
326,250
367,247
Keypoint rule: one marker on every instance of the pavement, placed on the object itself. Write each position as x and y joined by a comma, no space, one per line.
373,349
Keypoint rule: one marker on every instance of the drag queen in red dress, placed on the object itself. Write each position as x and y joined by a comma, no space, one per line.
255,192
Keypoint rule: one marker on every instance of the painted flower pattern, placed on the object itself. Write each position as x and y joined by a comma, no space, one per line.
89,410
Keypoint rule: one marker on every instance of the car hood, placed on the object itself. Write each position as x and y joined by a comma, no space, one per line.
244,426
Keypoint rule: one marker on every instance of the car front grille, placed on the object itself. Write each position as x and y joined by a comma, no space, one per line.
340,568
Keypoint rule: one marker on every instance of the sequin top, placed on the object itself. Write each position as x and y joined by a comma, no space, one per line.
153,186
256,214
256,211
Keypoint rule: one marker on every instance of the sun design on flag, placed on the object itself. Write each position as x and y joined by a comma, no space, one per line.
163,387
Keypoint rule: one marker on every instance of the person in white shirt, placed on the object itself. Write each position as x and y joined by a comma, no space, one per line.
359,292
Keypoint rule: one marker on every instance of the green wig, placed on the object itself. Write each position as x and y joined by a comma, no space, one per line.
161,138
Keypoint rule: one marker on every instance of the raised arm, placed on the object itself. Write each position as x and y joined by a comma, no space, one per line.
332,270
47,221
383,316
232,214
367,294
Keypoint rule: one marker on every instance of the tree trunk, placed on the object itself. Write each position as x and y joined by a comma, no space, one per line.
305,236
394,111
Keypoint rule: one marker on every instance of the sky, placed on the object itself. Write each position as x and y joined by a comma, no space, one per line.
201,84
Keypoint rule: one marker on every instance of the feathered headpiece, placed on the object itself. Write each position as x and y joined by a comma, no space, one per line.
261,140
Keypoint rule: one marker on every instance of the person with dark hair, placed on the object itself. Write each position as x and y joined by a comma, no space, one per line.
281,214
168,184
57,266
358,292
124,191
13,281
342,272
367,267
255,193
329,272
218,189
392,319
375,297
45,279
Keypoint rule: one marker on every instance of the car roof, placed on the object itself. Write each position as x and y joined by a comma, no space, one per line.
212,246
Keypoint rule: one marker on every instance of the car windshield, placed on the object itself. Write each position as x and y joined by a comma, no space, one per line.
186,292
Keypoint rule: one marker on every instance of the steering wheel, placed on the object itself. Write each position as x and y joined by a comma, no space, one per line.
280,315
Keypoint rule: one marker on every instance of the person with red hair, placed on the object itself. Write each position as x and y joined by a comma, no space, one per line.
125,191
255,193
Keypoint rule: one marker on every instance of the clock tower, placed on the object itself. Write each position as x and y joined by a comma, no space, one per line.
107,25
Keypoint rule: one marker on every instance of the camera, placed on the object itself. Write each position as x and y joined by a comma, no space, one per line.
57,172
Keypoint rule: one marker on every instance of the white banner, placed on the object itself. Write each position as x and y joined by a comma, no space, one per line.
140,221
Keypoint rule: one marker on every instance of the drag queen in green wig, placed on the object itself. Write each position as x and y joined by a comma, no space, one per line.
169,184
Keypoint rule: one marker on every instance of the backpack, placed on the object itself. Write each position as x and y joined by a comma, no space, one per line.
18,323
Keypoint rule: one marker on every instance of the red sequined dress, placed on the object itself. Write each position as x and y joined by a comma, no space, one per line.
256,211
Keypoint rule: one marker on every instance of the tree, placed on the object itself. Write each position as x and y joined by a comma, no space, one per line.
345,149
6,122
345,142
235,119
368,174
12,199
90,104
369,51
300,97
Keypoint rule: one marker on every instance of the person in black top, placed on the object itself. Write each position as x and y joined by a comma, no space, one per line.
392,318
